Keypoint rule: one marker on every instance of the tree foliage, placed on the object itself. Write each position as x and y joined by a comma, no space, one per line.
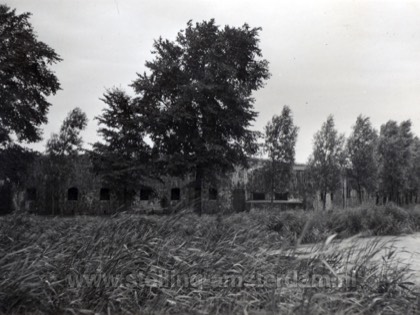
395,159
15,161
361,148
68,141
123,157
327,161
25,78
414,172
196,103
280,141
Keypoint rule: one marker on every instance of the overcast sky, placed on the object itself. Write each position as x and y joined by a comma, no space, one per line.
326,57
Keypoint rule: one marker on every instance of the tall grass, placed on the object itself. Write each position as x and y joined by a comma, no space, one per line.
368,220
39,256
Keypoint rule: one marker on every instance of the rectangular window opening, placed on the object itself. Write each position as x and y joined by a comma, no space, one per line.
258,196
281,196
145,193
175,194
212,194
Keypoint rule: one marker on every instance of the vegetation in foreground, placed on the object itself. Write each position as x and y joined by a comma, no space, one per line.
315,226
108,265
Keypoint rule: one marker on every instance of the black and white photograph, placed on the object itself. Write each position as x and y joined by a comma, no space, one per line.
209,157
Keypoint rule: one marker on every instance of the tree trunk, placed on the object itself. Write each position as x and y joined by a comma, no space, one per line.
198,190
58,199
52,203
324,200
126,199
344,190
359,193
273,173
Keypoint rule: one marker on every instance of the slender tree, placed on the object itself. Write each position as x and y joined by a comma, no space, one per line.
196,101
61,150
26,79
414,173
280,141
361,147
325,165
394,155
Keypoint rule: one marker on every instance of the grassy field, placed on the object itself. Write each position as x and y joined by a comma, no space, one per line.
245,263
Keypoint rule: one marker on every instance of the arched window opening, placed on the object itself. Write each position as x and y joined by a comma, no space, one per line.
175,194
281,196
31,194
73,194
104,194
258,196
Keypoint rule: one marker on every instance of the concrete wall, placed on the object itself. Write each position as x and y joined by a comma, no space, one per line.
217,195
275,205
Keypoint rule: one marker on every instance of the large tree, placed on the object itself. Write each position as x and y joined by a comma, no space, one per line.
395,158
327,160
280,141
361,148
122,158
196,101
26,79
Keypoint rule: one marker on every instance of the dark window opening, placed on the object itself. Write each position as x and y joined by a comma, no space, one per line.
145,193
164,202
72,194
104,194
175,194
197,193
212,194
258,196
281,196
31,194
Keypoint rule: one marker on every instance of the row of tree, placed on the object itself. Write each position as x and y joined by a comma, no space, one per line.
192,113
384,165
